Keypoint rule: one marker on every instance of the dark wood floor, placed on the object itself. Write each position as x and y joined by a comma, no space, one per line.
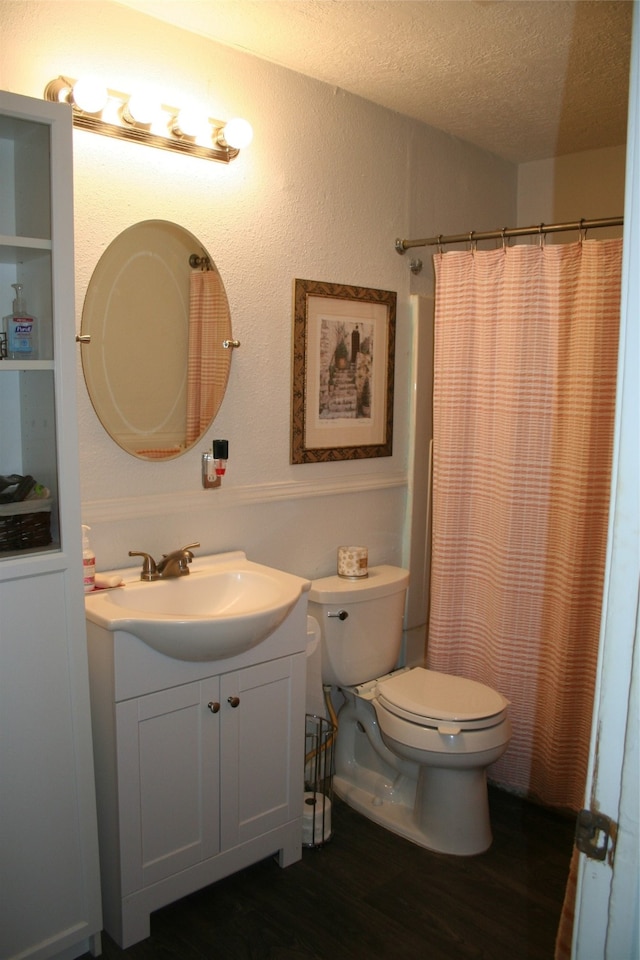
369,894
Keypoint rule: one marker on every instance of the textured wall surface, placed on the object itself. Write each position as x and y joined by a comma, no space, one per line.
522,78
328,183
574,187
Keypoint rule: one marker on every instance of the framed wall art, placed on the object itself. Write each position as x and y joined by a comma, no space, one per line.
343,365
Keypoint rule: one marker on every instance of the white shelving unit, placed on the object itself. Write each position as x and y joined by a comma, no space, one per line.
27,388
49,872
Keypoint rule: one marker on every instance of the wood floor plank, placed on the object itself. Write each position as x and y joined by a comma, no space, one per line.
370,895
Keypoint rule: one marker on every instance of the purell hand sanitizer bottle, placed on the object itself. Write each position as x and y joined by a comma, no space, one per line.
21,330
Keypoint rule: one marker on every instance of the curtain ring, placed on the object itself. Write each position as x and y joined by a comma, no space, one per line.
541,236
583,233
503,234
473,244
440,243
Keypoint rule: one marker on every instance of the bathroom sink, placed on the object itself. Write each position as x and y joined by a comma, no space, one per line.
224,606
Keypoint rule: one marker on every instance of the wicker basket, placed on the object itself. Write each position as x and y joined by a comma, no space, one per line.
25,524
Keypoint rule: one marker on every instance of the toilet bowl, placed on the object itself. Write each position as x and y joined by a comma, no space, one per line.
413,744
453,729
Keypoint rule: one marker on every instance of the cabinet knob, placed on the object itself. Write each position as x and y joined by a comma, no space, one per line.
234,701
83,338
213,706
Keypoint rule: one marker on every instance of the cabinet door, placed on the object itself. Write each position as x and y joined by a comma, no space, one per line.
261,748
49,899
168,760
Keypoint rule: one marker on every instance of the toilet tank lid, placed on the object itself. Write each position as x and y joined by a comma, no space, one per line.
381,582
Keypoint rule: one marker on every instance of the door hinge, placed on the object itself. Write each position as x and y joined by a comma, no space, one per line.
595,835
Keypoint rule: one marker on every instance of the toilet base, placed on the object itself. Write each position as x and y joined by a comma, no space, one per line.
453,805
459,828
393,815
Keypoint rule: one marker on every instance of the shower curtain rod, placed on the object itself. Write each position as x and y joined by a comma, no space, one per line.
541,229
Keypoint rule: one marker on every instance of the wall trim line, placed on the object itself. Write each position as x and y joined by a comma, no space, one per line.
128,508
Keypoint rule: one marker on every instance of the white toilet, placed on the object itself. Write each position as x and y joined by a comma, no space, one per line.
413,745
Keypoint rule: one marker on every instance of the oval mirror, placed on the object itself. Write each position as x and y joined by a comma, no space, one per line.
156,366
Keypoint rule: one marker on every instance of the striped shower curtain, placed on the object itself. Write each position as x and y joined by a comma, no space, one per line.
526,345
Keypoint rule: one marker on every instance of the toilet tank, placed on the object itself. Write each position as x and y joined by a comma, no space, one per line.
365,643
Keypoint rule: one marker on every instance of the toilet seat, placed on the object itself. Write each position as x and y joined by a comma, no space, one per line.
438,700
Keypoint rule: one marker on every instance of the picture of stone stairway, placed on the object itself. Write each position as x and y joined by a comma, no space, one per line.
346,355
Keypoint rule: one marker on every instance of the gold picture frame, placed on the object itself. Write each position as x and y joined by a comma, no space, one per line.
343,371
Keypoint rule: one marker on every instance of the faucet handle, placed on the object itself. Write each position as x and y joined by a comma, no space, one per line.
189,547
149,569
187,555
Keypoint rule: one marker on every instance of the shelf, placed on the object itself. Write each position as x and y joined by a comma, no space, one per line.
28,553
15,250
28,243
6,365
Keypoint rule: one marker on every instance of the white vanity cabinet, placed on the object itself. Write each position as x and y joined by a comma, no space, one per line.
49,872
199,767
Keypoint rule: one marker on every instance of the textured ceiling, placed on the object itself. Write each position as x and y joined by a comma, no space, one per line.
526,79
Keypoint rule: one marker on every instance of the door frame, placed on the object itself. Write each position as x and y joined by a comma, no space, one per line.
606,915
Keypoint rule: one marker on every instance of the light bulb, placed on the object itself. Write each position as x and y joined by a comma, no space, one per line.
58,90
140,108
89,95
189,123
236,133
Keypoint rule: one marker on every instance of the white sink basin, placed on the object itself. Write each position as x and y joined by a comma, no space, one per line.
224,606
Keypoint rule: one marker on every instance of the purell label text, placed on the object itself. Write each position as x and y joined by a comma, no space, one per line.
22,328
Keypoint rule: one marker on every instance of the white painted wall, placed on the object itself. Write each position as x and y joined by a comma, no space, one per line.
328,183
587,185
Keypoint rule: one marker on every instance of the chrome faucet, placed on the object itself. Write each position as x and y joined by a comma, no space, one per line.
175,564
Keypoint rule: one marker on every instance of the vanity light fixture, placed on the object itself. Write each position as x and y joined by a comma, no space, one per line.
137,118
